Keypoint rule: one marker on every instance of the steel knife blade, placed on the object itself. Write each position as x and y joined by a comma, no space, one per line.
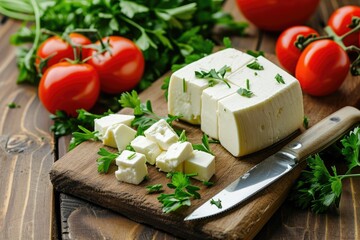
313,140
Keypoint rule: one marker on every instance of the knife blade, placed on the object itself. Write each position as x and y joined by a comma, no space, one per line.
313,140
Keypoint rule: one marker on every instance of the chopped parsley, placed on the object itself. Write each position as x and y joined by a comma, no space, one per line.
13,105
184,85
105,160
245,92
306,122
154,188
216,203
131,156
279,79
255,65
207,183
213,76
255,53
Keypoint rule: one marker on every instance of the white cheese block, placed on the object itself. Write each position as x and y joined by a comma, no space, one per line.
147,147
108,139
164,166
209,107
201,163
162,133
102,124
274,111
185,89
123,136
131,167
174,156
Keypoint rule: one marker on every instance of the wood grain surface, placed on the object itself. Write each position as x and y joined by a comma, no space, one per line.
27,151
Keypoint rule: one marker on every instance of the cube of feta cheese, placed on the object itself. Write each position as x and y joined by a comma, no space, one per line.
185,88
163,165
102,124
123,136
108,139
275,110
131,167
209,107
177,153
147,147
201,163
162,133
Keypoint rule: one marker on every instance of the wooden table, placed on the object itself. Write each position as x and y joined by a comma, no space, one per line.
30,209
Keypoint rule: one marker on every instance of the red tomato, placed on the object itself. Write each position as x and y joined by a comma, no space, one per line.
322,68
68,87
286,51
55,49
121,68
277,15
340,20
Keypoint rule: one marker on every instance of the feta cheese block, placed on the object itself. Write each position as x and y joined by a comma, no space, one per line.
164,166
131,167
185,88
102,124
108,139
162,133
201,163
147,147
174,156
275,110
123,136
209,107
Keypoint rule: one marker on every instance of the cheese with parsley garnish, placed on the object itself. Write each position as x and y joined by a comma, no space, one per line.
274,110
123,136
185,88
201,163
131,167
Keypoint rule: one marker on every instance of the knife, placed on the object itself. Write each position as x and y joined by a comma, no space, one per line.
313,140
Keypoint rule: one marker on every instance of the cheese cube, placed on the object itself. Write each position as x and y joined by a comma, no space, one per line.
201,163
132,167
102,124
176,154
108,139
162,133
147,147
209,107
185,88
123,136
163,165
274,111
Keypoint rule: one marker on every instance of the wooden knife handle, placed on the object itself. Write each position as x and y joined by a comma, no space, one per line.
324,133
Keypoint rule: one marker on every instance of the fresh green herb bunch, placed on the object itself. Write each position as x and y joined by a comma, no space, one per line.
168,32
319,188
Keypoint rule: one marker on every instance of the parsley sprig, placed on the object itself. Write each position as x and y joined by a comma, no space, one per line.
245,92
143,112
183,193
319,188
204,146
154,188
79,137
213,76
105,160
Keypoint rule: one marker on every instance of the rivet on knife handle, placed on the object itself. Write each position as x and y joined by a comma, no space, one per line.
324,133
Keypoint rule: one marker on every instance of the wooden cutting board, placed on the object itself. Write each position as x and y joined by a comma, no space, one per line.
76,174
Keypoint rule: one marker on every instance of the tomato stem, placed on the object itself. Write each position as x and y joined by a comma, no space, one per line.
335,37
104,46
355,27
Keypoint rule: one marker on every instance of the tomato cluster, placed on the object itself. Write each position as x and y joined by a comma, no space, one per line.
322,64
74,71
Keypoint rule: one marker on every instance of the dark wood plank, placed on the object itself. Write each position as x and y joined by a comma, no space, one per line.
26,154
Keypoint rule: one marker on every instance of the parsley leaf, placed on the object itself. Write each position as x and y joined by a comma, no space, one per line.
105,160
79,137
351,148
183,193
154,188
214,76
204,146
13,105
279,79
245,92
216,203
255,53
255,65
306,122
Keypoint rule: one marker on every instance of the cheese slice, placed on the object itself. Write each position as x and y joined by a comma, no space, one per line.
102,124
131,167
201,163
174,156
162,133
185,88
275,110
147,147
209,107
